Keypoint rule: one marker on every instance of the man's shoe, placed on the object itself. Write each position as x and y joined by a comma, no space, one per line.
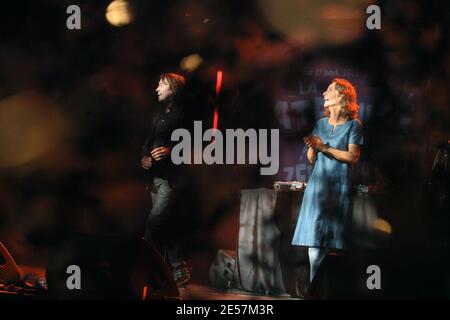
182,274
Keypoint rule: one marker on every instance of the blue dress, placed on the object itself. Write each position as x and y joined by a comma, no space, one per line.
326,211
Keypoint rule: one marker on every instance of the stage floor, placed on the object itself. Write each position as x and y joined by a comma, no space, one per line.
194,291
202,292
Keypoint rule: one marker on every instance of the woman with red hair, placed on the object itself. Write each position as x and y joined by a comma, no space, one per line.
333,147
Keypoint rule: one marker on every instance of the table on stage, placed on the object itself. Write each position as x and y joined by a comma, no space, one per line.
266,260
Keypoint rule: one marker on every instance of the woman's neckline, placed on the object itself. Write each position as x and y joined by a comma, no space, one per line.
336,125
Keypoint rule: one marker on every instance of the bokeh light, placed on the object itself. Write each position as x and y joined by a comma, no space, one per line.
382,226
119,13
30,124
191,62
318,23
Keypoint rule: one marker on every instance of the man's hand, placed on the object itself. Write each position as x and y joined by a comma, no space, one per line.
160,153
146,162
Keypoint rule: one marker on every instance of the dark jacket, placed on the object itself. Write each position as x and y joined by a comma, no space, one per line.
161,128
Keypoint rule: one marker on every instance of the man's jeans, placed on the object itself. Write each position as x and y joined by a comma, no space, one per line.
163,221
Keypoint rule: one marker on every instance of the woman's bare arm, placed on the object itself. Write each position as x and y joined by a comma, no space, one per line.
351,156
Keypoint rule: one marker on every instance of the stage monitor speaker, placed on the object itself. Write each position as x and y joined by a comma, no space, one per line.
108,267
222,272
8,268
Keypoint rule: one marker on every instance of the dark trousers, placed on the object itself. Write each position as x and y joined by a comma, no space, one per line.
162,228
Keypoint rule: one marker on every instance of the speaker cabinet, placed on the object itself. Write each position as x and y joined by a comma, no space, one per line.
108,267
222,273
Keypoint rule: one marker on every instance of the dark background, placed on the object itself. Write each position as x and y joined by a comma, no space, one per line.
75,104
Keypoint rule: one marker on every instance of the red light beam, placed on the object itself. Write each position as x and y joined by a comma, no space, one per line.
219,80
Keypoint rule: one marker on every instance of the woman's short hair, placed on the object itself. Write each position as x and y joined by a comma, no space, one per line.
351,107
175,81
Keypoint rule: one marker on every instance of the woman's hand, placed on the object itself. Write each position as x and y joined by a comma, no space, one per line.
315,142
309,141
319,145
160,153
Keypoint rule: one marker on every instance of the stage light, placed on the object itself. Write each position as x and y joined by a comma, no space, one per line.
191,62
119,13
